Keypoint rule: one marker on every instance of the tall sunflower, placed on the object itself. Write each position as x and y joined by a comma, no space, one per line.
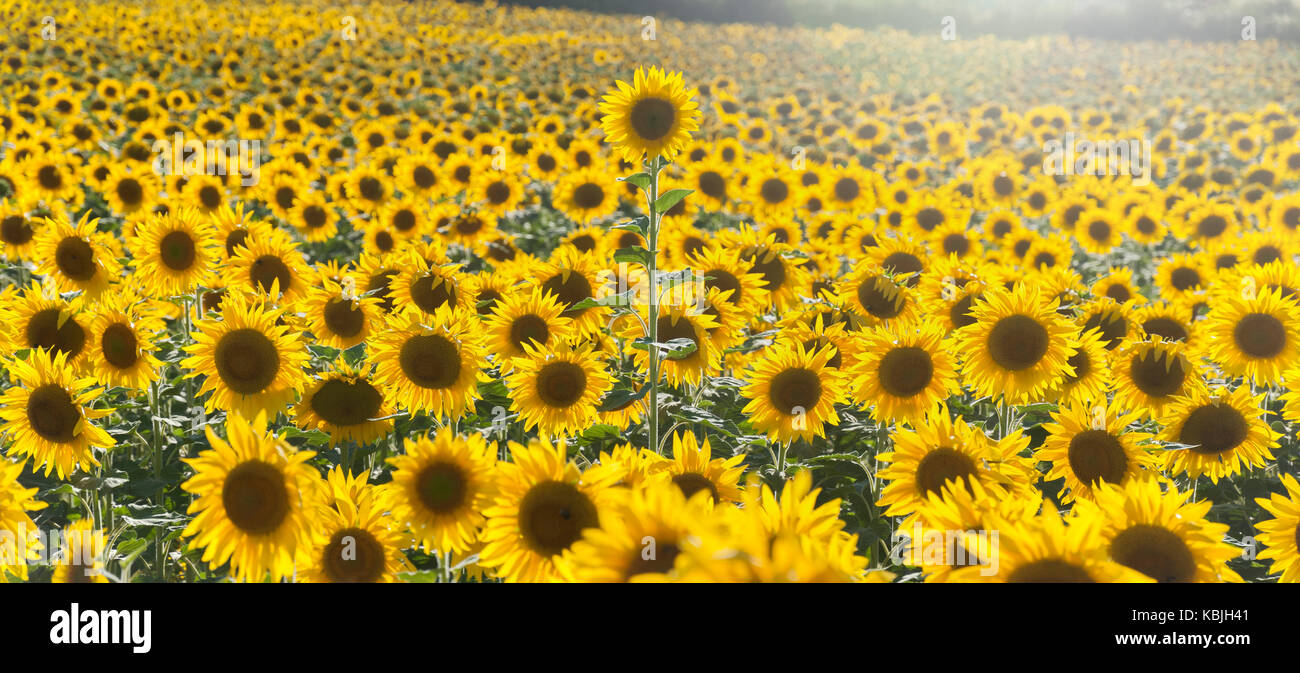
1257,336
654,116
76,256
176,252
346,403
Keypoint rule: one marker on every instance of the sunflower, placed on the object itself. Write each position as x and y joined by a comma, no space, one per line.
1044,549
440,488
82,542
525,318
1109,317
254,502
176,252
1145,224
542,506
76,256
1162,535
1171,321
572,277
1220,431
271,266
345,403
1256,336
1098,230
431,363
1088,444
338,317
16,501
1092,372
355,541
585,195
120,343
713,183
933,452
652,117
39,317
792,392
693,469
249,361
903,373
234,227
52,177
129,192
1019,346
313,217
498,191
1281,534
1118,285
47,416
17,234
1150,375
640,538
557,388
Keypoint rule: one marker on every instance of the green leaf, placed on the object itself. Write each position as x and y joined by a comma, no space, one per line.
641,180
679,348
620,398
668,199
633,255
638,225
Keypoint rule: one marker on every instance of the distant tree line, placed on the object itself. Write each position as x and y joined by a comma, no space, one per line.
1106,19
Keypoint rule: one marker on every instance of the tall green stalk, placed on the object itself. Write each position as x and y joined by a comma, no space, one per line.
652,323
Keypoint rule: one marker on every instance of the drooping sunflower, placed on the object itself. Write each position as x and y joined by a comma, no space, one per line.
249,361
76,256
1256,336
654,116
255,498
903,373
1090,443
557,388
346,403
440,488
176,252
1018,347
431,363
1221,432
542,506
1162,535
120,342
792,392
47,415
1281,534
522,318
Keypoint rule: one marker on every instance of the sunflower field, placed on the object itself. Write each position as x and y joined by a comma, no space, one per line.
304,291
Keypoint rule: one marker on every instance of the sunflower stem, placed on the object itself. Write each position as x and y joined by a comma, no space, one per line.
652,311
